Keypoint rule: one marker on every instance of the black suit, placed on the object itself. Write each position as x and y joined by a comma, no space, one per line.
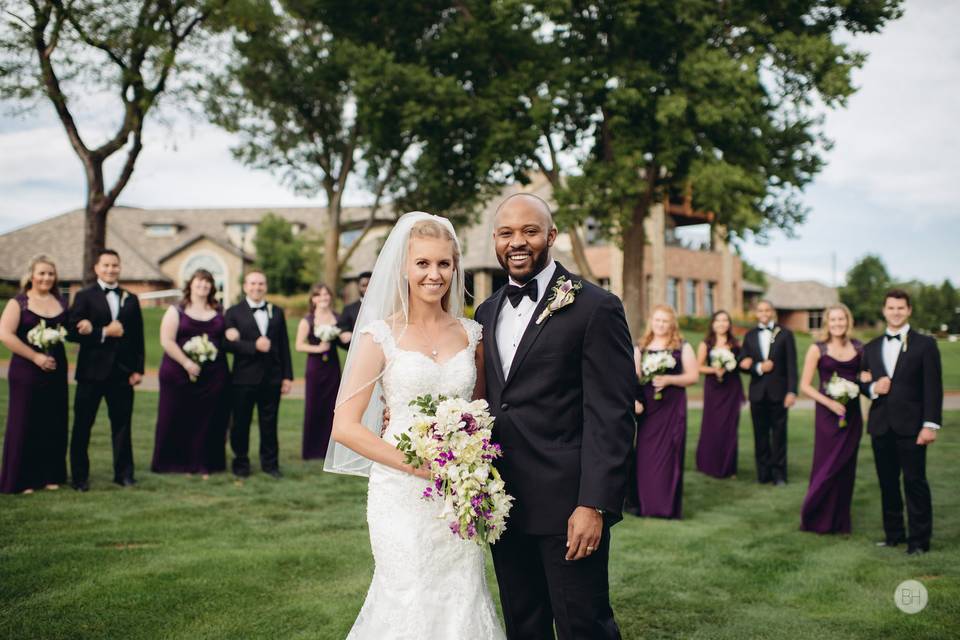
767,393
103,371
256,379
895,419
564,418
348,318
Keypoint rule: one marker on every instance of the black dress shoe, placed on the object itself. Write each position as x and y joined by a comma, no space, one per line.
82,487
779,482
890,542
241,473
274,473
126,482
917,549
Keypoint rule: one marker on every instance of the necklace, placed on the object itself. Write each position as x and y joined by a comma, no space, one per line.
433,351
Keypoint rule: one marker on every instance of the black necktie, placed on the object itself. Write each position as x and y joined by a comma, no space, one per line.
893,336
516,294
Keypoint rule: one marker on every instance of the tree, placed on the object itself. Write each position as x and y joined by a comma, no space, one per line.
330,96
753,274
950,305
279,254
126,48
867,282
708,101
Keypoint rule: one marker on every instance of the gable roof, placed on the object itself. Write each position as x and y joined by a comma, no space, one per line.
800,294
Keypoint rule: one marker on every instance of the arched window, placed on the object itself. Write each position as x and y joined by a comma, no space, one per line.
207,261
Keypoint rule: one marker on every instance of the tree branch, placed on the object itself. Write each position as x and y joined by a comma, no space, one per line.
368,225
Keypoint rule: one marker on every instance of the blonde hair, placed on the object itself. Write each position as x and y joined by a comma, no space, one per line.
676,338
26,283
434,230
824,335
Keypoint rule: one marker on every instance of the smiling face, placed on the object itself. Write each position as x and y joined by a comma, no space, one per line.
430,268
523,233
721,324
837,323
108,268
43,278
765,312
322,299
896,311
661,323
255,286
200,288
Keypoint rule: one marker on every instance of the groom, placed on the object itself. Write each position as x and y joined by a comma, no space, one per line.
559,380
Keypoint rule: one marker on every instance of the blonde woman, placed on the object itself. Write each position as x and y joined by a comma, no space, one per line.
35,444
826,508
662,427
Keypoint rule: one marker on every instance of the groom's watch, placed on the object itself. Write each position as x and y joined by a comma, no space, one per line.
600,511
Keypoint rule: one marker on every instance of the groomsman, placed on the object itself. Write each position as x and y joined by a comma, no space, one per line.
352,311
262,372
106,320
906,414
769,354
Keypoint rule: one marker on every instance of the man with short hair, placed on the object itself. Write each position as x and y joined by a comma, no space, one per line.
906,387
105,319
256,335
348,319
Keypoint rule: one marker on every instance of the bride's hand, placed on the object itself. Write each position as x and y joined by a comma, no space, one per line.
421,473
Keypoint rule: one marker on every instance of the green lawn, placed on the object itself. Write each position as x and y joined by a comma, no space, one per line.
178,557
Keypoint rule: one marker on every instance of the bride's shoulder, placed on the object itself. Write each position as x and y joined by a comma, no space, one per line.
379,330
473,328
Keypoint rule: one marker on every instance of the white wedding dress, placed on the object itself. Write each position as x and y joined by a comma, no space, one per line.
427,582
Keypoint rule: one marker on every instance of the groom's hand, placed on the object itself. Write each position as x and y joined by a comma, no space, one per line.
583,533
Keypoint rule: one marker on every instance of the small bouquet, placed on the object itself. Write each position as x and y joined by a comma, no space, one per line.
843,391
723,359
451,438
44,337
656,363
326,333
200,350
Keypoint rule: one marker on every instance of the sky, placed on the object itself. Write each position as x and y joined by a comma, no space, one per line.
891,186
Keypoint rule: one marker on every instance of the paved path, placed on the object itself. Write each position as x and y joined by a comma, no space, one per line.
951,400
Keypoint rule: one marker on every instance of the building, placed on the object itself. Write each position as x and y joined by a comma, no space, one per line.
800,305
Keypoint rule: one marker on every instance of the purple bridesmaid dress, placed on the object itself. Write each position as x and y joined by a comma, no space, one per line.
661,439
826,508
322,383
192,416
35,444
722,401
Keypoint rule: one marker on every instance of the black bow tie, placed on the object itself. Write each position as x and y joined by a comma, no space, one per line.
768,327
261,307
892,336
109,290
516,294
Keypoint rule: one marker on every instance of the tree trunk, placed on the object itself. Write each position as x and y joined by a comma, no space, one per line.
634,244
580,254
331,242
94,238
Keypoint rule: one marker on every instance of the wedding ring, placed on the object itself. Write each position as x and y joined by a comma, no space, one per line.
590,549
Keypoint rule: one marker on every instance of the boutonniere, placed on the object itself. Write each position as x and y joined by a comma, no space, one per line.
123,296
903,349
269,311
774,334
564,293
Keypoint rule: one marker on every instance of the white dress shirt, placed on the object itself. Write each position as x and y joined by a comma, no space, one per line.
512,322
260,316
113,299
891,350
765,336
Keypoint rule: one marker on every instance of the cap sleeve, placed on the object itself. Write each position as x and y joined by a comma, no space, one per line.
381,334
474,331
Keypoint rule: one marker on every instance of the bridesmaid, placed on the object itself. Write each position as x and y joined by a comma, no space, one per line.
193,406
35,445
722,399
662,428
826,508
322,374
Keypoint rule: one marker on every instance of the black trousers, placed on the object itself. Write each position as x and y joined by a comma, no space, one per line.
539,589
892,454
86,403
266,398
770,439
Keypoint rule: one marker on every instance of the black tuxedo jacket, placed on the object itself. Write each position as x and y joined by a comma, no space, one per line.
564,416
773,386
348,318
249,365
916,389
99,357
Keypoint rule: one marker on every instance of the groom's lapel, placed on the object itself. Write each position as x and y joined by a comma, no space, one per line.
497,303
533,329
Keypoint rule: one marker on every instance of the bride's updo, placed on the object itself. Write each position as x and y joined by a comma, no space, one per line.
434,230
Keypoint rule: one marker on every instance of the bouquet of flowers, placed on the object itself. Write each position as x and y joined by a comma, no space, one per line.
326,333
723,359
656,363
451,438
200,350
44,337
842,390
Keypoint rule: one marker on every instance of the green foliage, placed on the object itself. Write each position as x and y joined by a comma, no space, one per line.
867,281
279,254
753,274
935,308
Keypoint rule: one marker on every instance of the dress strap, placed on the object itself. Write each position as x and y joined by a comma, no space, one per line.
23,301
474,332
382,335
822,347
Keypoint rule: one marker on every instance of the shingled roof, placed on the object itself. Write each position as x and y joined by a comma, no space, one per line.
801,294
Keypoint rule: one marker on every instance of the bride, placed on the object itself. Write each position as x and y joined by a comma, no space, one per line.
413,340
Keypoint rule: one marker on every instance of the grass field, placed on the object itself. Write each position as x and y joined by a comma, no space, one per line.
179,557
950,351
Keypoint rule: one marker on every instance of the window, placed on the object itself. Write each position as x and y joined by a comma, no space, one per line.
691,301
708,293
206,261
672,285
161,230
814,319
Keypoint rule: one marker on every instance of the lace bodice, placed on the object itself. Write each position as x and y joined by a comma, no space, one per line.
409,374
